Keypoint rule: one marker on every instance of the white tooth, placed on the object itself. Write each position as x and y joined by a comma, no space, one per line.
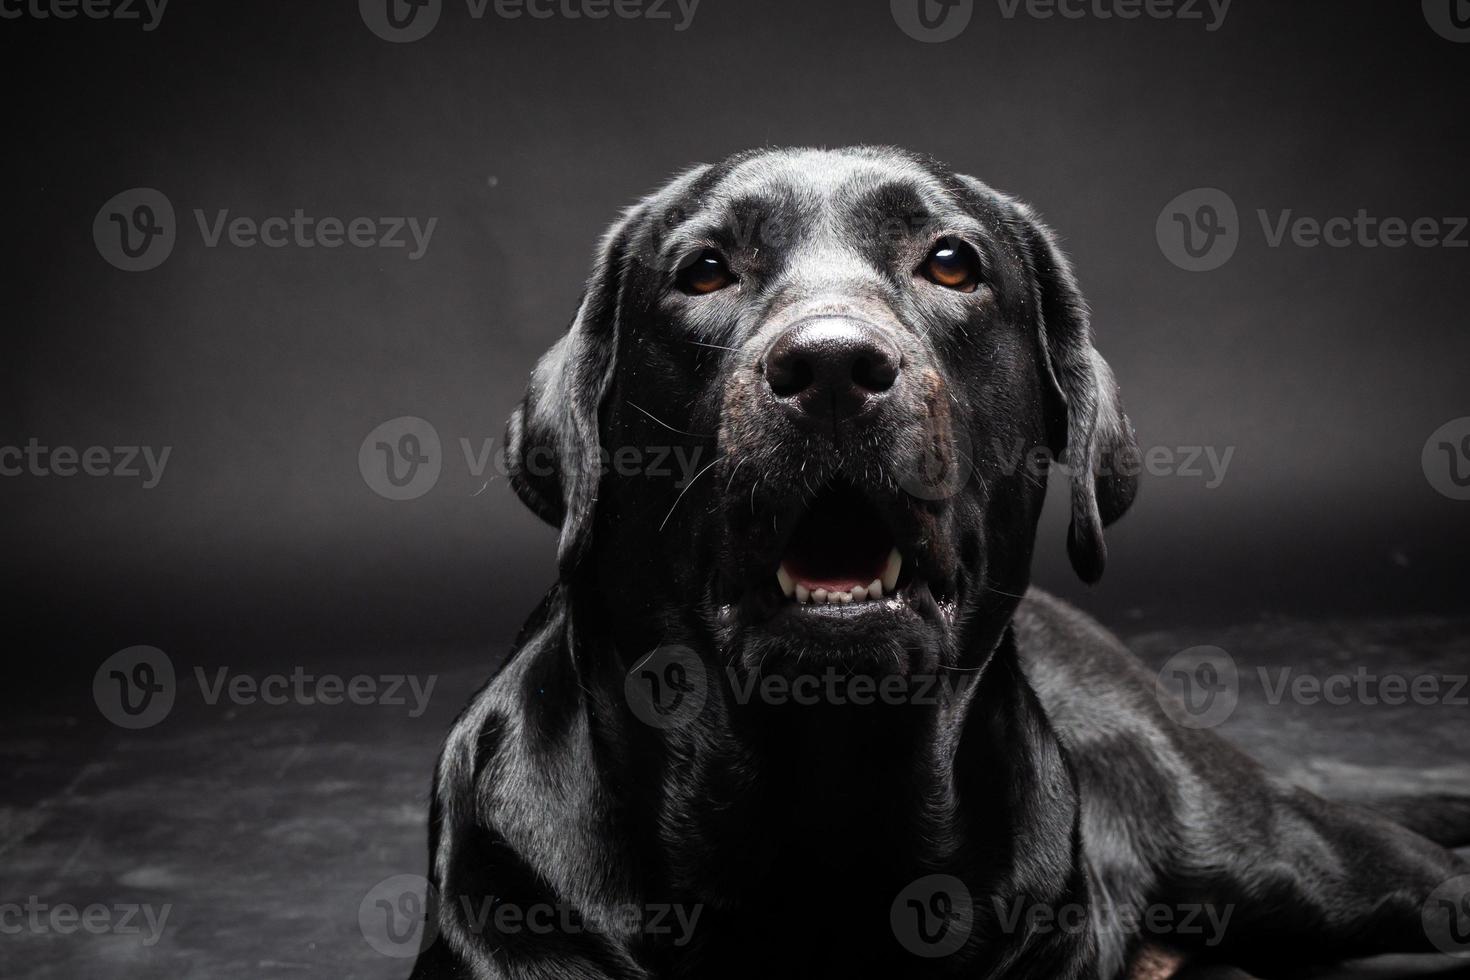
803,594
859,594
890,571
819,596
875,591
842,597
788,584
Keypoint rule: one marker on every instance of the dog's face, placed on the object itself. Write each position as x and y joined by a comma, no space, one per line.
850,365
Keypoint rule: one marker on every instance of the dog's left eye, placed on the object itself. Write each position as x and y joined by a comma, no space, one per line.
705,273
952,264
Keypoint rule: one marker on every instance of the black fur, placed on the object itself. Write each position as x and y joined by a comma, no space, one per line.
1048,776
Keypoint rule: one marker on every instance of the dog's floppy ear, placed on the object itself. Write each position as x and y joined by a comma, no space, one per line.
552,441
1101,453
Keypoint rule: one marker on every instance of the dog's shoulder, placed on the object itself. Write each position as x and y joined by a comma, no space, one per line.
1109,710
518,768
528,715
1049,630
1085,676
488,725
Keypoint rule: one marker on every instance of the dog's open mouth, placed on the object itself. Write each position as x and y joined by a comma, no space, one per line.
852,575
841,552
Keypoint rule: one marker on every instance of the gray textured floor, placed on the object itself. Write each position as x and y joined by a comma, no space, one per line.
262,828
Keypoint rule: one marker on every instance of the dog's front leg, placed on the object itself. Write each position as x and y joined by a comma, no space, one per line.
526,883
493,917
1313,881
474,947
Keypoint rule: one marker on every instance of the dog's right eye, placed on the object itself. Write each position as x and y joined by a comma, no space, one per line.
953,264
705,273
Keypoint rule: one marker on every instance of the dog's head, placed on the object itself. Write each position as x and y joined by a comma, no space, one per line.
806,406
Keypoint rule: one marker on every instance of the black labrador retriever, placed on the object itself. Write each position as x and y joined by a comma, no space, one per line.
792,709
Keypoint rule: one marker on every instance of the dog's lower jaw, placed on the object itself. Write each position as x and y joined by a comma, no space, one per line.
918,629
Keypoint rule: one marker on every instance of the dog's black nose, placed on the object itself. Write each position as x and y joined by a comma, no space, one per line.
832,369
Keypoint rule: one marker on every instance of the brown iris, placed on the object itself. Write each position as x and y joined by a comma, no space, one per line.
705,273
952,264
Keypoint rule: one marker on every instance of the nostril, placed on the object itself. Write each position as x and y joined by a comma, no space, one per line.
874,373
789,376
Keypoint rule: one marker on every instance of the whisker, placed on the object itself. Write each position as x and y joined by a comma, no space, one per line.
974,469
731,482
697,435
697,343
1003,592
686,490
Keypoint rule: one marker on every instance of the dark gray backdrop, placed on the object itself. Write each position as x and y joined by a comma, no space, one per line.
1325,370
